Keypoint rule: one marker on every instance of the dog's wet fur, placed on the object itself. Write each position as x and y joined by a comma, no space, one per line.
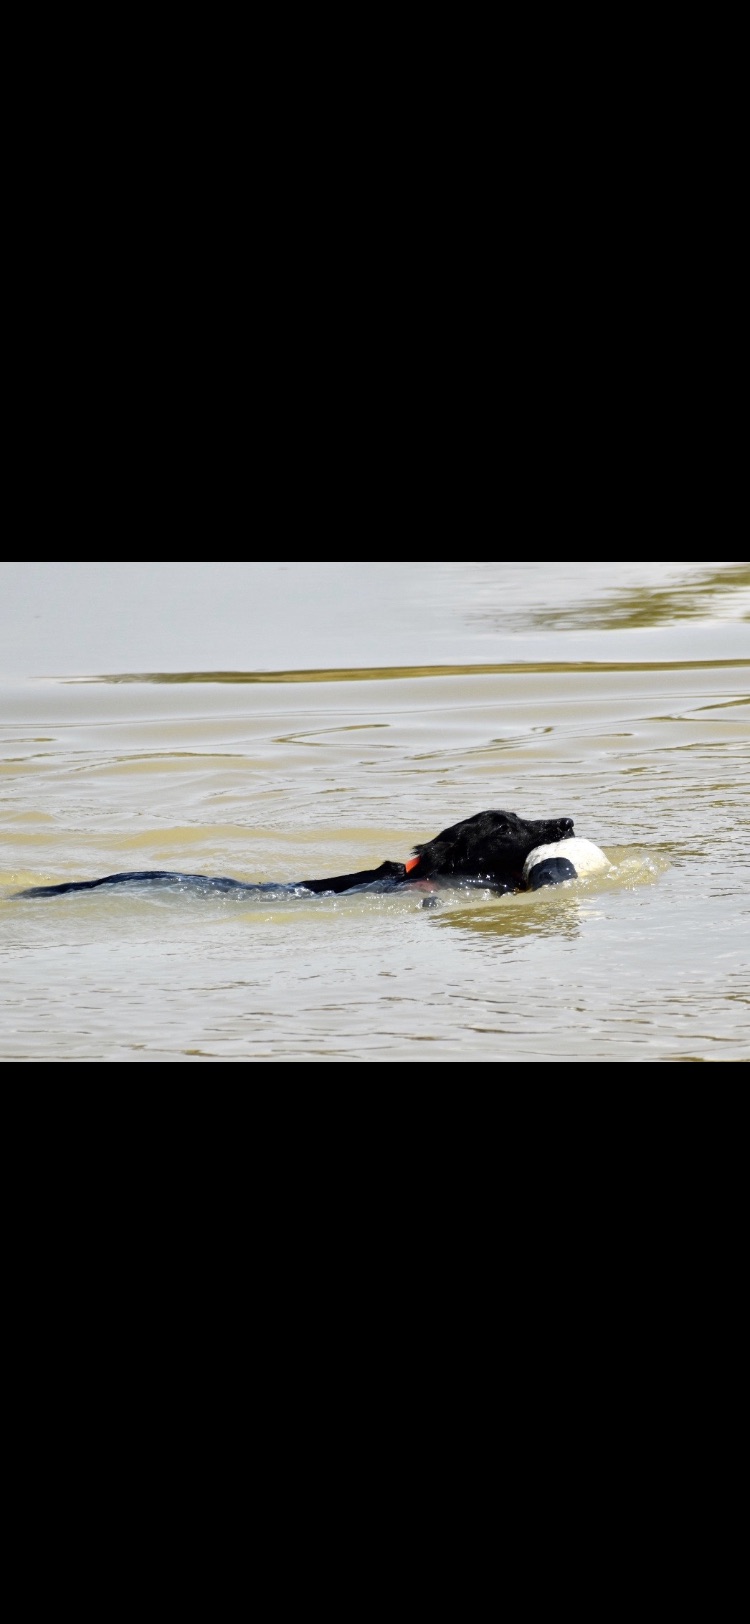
487,850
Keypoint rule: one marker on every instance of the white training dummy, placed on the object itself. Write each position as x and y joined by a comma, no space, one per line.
564,860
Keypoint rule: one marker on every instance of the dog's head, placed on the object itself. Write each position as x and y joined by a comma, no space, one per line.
489,848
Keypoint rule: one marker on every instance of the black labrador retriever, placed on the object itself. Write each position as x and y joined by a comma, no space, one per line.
487,850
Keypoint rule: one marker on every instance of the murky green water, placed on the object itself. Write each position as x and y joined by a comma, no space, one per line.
268,721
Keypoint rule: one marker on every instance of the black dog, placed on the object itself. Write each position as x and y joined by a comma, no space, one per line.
488,850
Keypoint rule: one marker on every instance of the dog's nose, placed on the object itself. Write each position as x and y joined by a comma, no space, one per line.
566,824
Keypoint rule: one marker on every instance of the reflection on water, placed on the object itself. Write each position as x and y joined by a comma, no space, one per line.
59,619
699,596
694,599
509,919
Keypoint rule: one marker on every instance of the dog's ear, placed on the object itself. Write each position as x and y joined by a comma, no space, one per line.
461,848
468,833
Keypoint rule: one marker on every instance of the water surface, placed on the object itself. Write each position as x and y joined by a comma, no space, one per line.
270,721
